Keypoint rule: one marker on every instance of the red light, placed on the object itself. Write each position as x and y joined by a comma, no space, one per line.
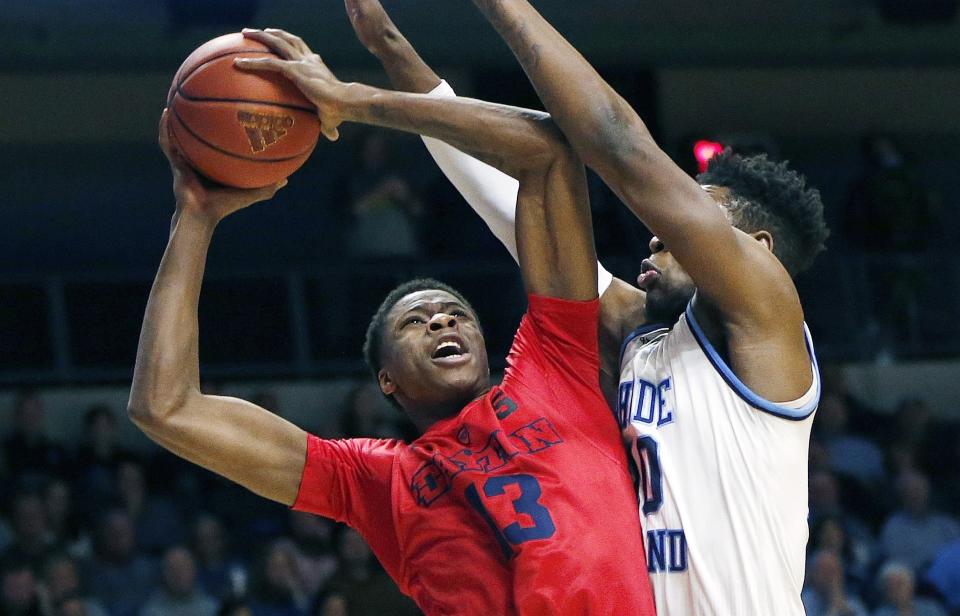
704,150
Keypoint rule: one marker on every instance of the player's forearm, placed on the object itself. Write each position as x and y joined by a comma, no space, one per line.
167,367
377,32
598,123
604,130
404,66
511,139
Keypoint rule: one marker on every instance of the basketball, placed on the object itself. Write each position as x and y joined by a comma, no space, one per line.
239,128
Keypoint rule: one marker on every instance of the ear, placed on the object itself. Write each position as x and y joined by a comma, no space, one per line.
387,385
764,238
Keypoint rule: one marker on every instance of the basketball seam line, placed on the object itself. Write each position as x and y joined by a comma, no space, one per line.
198,99
230,100
223,54
234,155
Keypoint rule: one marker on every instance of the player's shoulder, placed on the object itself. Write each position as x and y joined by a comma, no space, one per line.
641,337
362,451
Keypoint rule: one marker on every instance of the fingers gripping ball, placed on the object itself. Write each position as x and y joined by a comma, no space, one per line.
239,128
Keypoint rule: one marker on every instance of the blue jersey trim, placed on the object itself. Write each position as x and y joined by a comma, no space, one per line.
745,392
640,331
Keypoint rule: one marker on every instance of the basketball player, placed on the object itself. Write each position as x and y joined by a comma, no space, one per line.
515,499
717,378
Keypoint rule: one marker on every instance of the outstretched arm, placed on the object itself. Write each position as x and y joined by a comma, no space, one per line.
554,233
232,437
730,268
491,193
738,279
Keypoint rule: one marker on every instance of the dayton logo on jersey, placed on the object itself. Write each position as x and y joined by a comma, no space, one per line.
434,478
264,130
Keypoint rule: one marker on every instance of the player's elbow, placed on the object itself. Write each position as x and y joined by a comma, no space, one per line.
549,147
620,139
151,409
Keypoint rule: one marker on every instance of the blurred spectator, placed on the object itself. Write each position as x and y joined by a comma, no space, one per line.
825,502
917,440
64,522
850,455
235,607
365,588
179,594
829,533
61,579
278,589
825,593
382,207
367,414
330,604
118,576
896,582
20,593
156,520
32,540
28,450
944,575
315,555
218,572
819,457
73,605
890,209
99,454
914,533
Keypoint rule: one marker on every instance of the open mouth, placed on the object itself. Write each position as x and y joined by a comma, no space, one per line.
450,350
649,275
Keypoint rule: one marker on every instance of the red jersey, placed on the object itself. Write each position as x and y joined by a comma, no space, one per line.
522,503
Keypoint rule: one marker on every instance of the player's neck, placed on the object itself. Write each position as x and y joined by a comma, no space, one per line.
424,416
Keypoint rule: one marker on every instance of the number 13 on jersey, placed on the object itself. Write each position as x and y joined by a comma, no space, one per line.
527,503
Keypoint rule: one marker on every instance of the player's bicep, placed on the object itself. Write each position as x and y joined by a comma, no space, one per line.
555,233
238,440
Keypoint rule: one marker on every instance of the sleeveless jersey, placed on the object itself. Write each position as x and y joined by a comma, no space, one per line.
722,477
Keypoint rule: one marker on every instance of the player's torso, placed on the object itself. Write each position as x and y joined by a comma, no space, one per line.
723,484
497,512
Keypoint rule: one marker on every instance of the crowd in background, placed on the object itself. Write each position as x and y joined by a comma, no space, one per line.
92,528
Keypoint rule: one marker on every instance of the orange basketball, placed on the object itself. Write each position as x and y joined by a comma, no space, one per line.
239,128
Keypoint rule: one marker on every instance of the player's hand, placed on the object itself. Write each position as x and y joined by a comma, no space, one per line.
202,197
305,69
373,26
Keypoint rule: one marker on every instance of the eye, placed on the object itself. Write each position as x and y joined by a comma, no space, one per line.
413,321
460,313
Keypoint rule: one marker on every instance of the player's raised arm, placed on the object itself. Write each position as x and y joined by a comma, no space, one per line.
732,268
553,229
232,437
491,193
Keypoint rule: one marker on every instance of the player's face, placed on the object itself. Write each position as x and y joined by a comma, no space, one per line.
668,286
435,357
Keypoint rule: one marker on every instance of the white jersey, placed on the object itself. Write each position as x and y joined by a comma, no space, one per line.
722,477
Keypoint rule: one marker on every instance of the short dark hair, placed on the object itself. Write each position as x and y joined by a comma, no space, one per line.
373,344
769,196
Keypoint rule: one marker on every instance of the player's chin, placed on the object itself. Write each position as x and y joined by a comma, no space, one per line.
459,375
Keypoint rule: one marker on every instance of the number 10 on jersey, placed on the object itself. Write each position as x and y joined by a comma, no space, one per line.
646,456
